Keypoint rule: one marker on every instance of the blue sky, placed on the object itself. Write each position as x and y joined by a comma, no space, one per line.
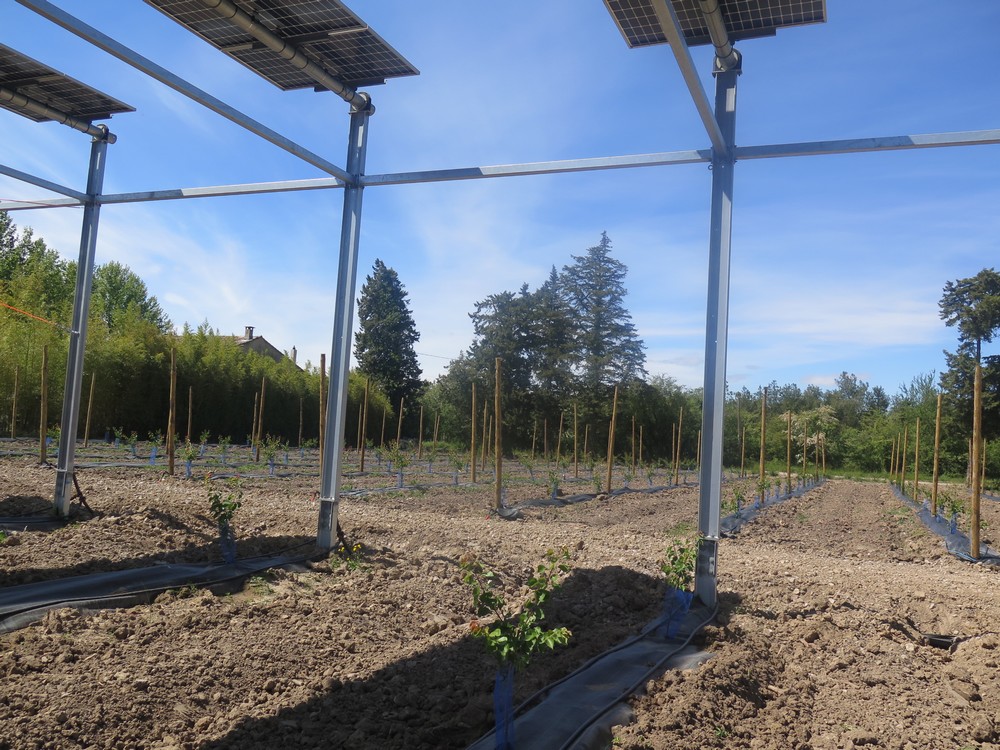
838,261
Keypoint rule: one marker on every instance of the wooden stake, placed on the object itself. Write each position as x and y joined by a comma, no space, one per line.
302,414
788,454
743,452
437,423
399,426
190,410
673,449
13,406
977,439
805,452
545,440
763,437
586,438
43,416
576,453
611,437
381,440
937,457
256,414
816,457
172,413
484,452
916,464
357,433
364,425
420,434
892,460
633,443
260,419
472,447
902,460
640,445
498,443
559,439
677,461
482,449
90,406
534,437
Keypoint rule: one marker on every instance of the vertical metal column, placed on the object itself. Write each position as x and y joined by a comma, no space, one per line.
716,335
343,322
78,328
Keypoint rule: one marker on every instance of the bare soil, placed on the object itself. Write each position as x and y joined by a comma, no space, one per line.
818,644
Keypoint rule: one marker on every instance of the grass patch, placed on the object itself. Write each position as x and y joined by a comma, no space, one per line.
681,528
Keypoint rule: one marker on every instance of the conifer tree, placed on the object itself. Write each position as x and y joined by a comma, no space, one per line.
384,345
609,349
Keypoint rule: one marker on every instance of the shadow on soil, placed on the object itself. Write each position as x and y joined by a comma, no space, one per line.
442,698
206,551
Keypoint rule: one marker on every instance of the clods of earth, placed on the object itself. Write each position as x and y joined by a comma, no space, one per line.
819,644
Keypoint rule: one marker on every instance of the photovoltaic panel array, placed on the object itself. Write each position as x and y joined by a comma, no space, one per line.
325,31
744,19
32,79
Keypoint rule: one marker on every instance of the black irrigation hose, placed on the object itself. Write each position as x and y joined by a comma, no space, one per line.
593,660
635,685
145,592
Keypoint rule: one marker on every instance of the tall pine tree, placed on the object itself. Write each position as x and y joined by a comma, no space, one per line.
384,345
607,344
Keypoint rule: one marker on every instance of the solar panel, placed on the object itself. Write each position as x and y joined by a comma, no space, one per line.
30,78
744,19
325,31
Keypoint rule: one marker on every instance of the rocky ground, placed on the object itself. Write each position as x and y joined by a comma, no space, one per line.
819,642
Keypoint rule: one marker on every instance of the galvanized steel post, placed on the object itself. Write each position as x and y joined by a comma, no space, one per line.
716,333
343,321
78,328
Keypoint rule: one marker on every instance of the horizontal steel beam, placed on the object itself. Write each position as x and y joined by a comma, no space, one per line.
861,145
178,84
17,174
255,188
813,148
542,167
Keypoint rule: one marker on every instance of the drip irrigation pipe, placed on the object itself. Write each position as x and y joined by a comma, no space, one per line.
635,685
956,542
603,710
17,609
731,524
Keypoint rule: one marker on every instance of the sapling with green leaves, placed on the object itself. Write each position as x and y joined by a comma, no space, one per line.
224,442
598,483
512,637
678,563
528,461
739,497
650,470
223,501
203,442
399,460
190,454
457,461
678,568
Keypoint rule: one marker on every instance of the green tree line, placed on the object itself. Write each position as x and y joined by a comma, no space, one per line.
128,354
565,347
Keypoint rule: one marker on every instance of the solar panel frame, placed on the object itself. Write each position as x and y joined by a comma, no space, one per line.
58,91
745,19
325,31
